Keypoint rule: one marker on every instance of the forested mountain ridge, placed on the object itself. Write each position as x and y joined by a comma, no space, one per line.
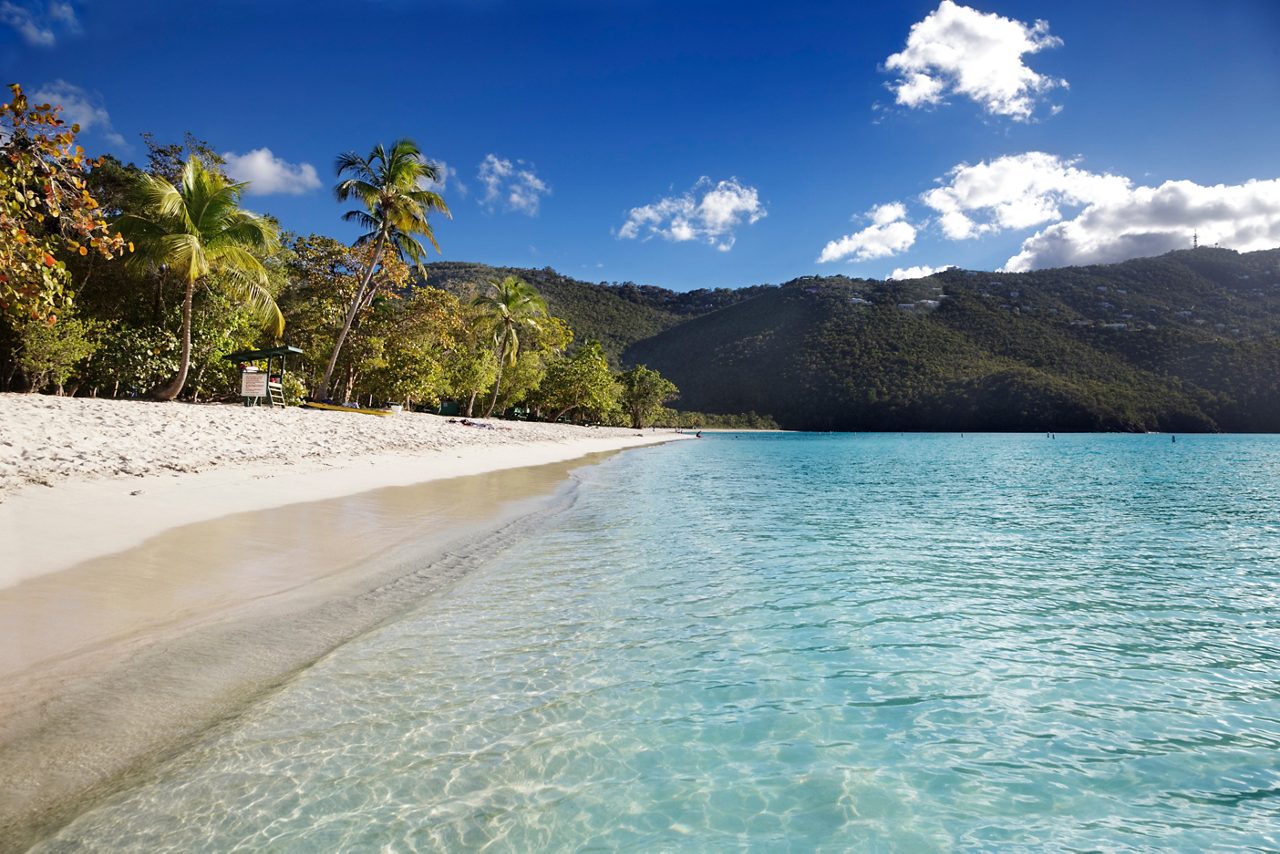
1186,341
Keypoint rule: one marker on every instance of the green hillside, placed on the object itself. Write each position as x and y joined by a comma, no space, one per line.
616,315
1187,341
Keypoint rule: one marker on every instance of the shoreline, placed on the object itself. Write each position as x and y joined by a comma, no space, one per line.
114,473
167,564
113,514
155,652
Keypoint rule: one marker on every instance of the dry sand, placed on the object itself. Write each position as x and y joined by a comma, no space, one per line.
81,478
164,564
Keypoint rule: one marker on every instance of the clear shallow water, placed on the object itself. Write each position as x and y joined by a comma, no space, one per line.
773,642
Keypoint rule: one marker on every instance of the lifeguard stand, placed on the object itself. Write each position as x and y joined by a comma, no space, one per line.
256,384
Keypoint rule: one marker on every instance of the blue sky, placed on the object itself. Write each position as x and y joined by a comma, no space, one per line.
708,144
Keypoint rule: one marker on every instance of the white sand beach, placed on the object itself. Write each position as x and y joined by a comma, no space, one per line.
163,564
116,472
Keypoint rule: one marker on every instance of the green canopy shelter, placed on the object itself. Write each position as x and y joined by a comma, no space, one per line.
256,384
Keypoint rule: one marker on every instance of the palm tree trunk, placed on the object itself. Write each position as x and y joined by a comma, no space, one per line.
322,390
497,382
173,388
471,404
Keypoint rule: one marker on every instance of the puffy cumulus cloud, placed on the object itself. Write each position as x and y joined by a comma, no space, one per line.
267,174
38,23
888,234
710,212
515,186
79,107
918,272
1094,218
975,54
885,214
1017,191
1153,220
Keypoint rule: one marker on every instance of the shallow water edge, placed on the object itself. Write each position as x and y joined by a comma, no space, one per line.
155,645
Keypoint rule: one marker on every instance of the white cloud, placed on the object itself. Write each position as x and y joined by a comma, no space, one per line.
1154,220
918,272
888,234
79,107
267,174
446,179
1016,191
975,54
36,22
515,185
1094,218
885,214
709,212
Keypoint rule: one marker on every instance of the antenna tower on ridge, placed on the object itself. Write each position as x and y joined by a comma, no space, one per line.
1195,240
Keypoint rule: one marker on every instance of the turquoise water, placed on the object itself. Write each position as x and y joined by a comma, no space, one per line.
778,642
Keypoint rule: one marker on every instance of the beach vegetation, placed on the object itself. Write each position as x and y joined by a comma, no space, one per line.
418,335
684,420
389,184
46,210
579,385
506,309
130,360
538,348
644,391
197,234
48,353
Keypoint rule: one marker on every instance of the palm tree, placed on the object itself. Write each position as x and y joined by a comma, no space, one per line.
512,305
389,186
198,231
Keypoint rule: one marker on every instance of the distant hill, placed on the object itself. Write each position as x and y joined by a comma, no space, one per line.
1187,341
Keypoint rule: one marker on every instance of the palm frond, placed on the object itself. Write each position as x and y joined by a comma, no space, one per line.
251,230
409,249
250,291
184,254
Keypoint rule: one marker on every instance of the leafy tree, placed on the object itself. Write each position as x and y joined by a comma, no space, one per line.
46,210
471,370
580,382
131,359
324,276
194,231
513,305
388,185
168,160
644,392
49,352
418,335
537,349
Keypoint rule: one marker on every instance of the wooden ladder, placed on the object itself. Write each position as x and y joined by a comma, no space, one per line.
275,391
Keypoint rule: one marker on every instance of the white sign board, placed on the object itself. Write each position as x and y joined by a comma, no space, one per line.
253,384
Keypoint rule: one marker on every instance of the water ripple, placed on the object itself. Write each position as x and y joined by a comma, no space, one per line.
799,643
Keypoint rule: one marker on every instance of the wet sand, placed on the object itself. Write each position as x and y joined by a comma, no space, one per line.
116,663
